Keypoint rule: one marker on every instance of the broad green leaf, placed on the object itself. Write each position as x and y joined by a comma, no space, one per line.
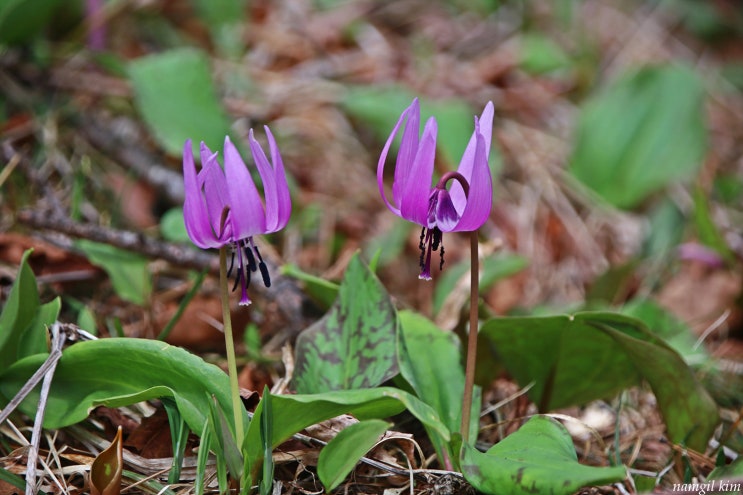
105,472
342,453
129,272
173,227
18,313
734,470
540,54
266,441
380,108
293,413
86,320
431,362
121,371
673,331
640,134
175,94
35,338
22,20
354,344
225,19
579,358
538,458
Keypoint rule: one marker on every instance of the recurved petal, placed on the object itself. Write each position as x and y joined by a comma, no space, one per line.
408,149
195,215
282,187
480,199
383,160
268,177
468,157
247,215
415,195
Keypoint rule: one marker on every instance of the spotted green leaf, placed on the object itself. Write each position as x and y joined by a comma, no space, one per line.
354,345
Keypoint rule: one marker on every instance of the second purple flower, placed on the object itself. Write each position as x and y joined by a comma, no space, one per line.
464,207
223,206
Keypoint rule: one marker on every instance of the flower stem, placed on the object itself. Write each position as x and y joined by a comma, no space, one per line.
469,374
230,345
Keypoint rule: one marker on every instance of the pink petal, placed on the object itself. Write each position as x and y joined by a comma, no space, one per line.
248,217
480,199
468,158
406,153
216,195
282,187
445,215
383,160
194,210
268,177
415,195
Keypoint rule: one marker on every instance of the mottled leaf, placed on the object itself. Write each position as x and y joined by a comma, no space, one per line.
538,458
354,345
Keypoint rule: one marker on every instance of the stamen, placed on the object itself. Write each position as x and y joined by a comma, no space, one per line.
437,237
441,255
232,265
422,248
262,267
251,259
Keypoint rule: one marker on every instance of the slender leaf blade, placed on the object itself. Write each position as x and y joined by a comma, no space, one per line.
343,452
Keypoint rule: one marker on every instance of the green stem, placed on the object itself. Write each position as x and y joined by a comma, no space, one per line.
224,290
469,373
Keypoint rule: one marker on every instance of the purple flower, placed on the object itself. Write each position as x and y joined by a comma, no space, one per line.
223,207
465,207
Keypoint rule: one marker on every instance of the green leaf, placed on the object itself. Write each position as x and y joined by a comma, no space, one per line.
342,453
225,19
540,54
579,358
354,344
173,227
293,413
430,360
22,20
176,97
673,331
708,233
121,371
266,441
538,458
129,272
18,313
34,339
642,133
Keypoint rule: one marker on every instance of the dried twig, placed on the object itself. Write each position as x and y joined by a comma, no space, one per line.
57,342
